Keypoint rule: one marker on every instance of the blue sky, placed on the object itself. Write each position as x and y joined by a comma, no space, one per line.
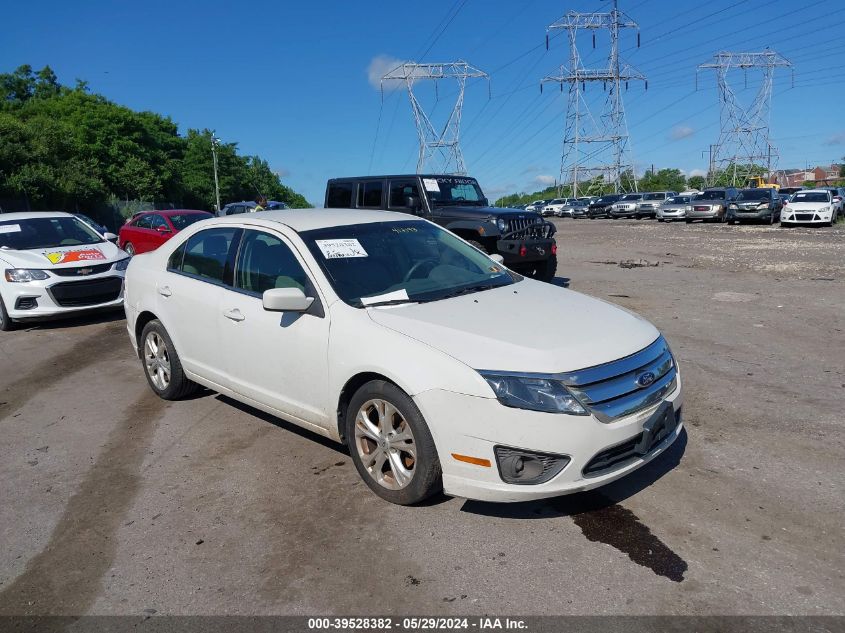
291,81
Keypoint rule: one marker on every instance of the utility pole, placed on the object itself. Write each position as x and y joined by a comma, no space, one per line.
607,135
440,151
744,141
214,143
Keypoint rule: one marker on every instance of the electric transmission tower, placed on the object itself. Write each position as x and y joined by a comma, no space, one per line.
744,145
440,151
593,146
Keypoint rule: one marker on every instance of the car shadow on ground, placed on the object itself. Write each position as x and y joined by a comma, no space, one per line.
80,320
591,500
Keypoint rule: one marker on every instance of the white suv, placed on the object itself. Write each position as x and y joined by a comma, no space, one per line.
391,334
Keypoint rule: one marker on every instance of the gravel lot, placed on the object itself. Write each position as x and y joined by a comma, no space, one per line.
114,502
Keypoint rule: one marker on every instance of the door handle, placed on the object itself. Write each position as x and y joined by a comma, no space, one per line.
234,315
164,291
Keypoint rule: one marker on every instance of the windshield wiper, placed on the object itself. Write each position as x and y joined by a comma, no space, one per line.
388,302
468,290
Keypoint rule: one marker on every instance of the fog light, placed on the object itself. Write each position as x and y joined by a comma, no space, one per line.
517,466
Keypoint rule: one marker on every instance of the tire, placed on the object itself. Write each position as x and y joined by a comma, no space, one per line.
660,220
378,413
158,353
784,225
689,221
129,248
731,222
546,271
6,324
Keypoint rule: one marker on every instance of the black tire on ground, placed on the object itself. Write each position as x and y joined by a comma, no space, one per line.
546,271
6,323
660,219
178,385
426,479
784,225
688,221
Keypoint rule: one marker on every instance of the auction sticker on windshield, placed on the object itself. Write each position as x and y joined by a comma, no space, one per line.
431,184
10,228
341,249
65,257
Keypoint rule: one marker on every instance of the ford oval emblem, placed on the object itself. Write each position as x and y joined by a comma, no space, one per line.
645,379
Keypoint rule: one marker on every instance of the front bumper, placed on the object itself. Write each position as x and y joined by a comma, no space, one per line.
59,296
753,214
469,425
537,249
671,214
711,213
805,217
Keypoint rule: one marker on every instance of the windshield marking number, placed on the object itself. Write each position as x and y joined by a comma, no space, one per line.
10,228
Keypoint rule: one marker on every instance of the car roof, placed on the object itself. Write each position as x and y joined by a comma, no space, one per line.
377,177
26,215
308,219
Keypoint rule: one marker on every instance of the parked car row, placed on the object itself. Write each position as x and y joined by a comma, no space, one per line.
718,204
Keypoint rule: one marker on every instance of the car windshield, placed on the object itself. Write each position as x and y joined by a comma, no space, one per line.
654,196
453,190
401,262
678,200
808,196
558,201
48,232
184,220
711,195
753,194
632,196
605,199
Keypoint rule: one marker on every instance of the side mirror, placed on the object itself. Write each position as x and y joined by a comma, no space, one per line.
286,300
162,229
110,237
497,258
412,203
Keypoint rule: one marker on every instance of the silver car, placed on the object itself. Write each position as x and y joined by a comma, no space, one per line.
627,206
674,209
651,202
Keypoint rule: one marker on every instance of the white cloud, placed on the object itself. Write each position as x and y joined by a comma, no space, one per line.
281,172
681,131
544,180
696,172
836,139
379,66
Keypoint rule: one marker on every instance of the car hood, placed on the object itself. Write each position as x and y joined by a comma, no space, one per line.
807,206
63,256
525,327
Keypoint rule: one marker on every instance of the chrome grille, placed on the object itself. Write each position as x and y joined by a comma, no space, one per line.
611,391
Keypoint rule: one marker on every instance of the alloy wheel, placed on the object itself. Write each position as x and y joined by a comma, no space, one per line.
157,360
385,444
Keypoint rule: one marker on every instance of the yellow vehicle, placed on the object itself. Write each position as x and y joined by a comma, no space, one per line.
757,182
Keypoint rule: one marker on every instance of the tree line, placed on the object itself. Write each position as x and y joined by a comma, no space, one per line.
65,148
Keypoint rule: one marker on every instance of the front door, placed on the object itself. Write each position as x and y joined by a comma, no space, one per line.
278,359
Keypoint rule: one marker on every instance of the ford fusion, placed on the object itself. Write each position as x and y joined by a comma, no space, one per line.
54,264
394,336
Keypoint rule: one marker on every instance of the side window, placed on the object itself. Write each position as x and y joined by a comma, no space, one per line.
156,221
207,254
340,195
174,262
401,189
266,262
369,194
143,222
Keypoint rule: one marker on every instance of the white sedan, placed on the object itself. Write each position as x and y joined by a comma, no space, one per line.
54,264
810,206
394,336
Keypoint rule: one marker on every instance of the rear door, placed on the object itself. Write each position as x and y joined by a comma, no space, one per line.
191,295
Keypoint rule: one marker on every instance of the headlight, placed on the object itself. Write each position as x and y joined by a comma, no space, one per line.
688,208
533,393
123,264
23,275
500,222
733,206
763,205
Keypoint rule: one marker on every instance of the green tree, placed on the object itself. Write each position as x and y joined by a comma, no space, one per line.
696,182
663,180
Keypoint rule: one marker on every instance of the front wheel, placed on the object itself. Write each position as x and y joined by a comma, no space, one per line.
5,322
390,444
162,366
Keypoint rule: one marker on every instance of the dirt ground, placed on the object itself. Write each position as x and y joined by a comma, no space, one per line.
114,502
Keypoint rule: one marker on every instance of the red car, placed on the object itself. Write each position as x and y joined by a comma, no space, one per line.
149,230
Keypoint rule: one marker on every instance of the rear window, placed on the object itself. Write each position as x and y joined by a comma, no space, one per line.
184,220
340,195
369,194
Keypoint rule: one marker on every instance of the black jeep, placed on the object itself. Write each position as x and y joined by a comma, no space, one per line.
522,238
